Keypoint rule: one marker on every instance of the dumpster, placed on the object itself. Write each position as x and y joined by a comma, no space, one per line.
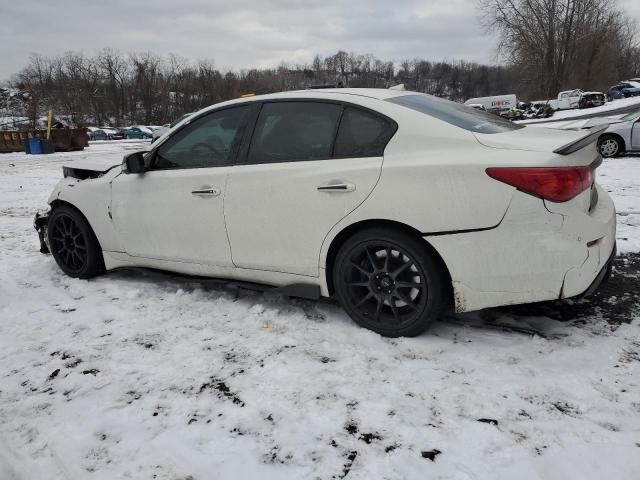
62,139
47,146
35,146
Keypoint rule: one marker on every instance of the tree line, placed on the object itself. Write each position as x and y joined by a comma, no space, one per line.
144,88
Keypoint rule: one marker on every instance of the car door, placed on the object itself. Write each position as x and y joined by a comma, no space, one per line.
574,98
174,210
306,166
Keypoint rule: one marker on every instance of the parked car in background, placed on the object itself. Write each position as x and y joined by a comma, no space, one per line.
623,90
577,98
139,132
621,136
368,195
569,99
592,99
498,104
112,133
122,131
95,133
158,132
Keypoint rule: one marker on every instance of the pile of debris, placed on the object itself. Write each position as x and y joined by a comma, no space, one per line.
527,110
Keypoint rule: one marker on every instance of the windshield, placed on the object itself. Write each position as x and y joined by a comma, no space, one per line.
456,114
631,116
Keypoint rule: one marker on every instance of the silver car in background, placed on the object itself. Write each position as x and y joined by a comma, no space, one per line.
622,135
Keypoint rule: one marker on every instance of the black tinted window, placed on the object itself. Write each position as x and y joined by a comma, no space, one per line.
288,131
362,134
456,114
207,142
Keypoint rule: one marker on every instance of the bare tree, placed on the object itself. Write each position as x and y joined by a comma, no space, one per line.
556,43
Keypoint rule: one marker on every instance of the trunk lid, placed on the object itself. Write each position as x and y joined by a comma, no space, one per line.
531,139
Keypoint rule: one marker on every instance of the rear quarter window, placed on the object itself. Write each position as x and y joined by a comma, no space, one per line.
362,134
456,114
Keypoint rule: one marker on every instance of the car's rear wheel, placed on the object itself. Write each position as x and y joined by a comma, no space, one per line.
73,244
609,146
389,282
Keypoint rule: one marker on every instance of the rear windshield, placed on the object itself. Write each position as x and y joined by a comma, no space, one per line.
462,116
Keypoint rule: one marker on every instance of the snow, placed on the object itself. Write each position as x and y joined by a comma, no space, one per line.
151,375
586,112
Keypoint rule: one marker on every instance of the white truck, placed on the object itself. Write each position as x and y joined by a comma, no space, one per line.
498,104
580,99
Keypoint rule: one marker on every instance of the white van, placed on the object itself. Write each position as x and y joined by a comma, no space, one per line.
499,104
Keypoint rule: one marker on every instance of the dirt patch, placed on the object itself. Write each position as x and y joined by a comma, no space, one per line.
617,301
223,391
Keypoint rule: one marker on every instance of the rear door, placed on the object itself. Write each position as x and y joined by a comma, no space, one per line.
307,165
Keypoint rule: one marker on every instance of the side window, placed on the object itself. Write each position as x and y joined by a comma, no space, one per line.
291,131
207,142
362,134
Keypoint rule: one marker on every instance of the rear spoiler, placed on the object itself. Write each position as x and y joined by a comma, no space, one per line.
593,135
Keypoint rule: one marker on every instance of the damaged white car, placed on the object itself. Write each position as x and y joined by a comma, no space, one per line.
398,204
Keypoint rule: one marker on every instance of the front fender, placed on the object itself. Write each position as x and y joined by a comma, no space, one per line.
92,197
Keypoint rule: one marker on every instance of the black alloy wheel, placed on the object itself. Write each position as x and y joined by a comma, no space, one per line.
389,282
73,243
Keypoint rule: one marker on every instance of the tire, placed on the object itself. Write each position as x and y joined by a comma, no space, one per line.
609,146
73,244
389,282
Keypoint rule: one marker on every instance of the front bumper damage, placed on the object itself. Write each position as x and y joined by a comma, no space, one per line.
40,223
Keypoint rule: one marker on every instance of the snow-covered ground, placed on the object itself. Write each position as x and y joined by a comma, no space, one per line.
146,375
586,112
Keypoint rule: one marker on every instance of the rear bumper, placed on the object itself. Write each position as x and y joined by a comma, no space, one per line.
603,276
538,252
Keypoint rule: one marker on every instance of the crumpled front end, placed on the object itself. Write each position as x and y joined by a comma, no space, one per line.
41,223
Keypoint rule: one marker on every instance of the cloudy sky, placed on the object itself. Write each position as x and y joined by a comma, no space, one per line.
248,33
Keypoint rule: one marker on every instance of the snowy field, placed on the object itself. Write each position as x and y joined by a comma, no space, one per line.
146,375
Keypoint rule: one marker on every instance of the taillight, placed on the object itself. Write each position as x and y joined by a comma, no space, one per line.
558,184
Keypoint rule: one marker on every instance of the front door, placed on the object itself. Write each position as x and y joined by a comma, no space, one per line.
175,211
301,175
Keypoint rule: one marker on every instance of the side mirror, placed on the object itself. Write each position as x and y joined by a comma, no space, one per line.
133,163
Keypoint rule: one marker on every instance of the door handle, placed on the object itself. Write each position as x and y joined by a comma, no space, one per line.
337,187
206,192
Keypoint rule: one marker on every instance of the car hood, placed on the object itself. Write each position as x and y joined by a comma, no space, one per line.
98,165
530,138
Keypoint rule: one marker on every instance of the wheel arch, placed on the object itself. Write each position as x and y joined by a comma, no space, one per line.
339,239
63,203
617,136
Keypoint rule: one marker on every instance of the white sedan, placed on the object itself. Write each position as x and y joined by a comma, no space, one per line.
396,203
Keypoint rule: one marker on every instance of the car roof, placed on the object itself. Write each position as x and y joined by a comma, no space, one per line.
377,93
339,94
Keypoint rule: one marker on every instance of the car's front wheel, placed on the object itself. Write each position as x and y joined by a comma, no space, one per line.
389,282
609,146
73,244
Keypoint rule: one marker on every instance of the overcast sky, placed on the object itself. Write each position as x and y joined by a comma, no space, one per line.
247,33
